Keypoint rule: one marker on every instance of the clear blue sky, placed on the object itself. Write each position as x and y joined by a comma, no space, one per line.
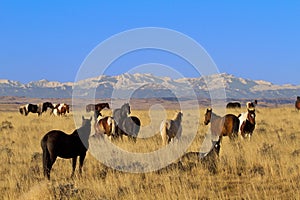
249,39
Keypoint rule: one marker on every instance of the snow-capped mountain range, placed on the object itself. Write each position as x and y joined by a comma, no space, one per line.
150,86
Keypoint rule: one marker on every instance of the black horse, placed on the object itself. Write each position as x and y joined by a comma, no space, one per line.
56,143
119,115
131,127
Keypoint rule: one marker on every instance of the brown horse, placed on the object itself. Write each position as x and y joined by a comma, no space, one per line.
105,125
96,108
247,126
297,103
56,143
171,128
227,125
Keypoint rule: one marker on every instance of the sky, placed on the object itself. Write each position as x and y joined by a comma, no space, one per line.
258,40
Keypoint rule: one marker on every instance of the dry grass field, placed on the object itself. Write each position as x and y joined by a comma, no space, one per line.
267,167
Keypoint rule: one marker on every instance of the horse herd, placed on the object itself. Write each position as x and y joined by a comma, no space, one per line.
59,144
56,109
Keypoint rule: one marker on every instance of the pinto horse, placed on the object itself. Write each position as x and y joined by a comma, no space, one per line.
105,125
227,125
247,123
96,108
61,109
56,143
33,108
170,129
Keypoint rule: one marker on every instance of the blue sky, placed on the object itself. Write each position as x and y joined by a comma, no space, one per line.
51,39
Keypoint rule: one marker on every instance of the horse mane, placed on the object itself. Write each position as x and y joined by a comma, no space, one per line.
178,117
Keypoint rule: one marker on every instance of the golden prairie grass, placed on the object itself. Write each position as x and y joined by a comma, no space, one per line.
263,168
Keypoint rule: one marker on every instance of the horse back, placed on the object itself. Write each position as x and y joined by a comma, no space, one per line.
232,122
62,144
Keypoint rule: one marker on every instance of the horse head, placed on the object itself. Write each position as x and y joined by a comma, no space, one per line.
251,116
207,116
126,109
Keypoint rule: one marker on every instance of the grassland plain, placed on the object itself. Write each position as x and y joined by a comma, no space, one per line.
267,167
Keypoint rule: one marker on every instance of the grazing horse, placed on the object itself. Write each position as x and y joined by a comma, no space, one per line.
119,115
96,108
131,127
46,105
56,143
227,125
105,125
61,109
233,105
33,108
297,103
247,123
171,128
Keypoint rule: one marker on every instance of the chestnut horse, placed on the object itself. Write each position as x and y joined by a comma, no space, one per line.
96,108
56,143
227,125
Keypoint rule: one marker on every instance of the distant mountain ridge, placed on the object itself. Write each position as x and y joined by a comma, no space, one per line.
149,86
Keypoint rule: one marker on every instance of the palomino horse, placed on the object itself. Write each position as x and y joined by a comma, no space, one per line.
131,127
96,108
227,125
119,115
56,143
171,128
247,123
105,125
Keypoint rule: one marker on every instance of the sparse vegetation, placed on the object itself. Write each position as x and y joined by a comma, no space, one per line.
263,168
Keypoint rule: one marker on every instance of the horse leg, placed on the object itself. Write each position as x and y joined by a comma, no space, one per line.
73,166
50,163
81,159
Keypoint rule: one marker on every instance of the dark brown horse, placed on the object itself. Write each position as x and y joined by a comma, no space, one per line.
227,125
131,127
96,108
233,105
56,143
247,126
297,103
119,115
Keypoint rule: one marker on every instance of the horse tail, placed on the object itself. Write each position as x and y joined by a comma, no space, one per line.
113,126
163,132
46,154
236,126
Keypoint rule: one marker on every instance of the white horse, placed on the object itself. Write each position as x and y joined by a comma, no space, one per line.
171,128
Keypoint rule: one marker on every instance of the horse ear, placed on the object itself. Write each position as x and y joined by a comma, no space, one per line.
82,117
